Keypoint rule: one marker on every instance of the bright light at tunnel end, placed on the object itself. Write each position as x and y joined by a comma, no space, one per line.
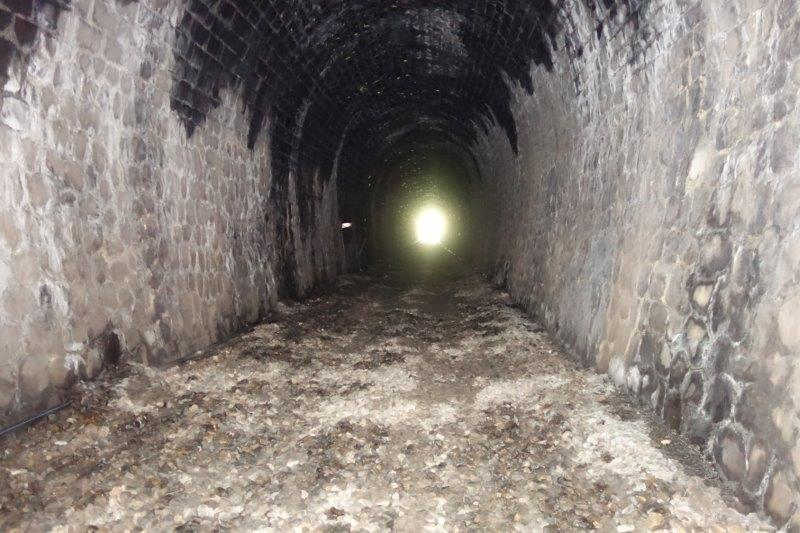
430,225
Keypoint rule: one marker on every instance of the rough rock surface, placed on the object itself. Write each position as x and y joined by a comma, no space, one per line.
115,227
650,221
378,406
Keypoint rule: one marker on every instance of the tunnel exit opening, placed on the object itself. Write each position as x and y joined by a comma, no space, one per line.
430,225
422,204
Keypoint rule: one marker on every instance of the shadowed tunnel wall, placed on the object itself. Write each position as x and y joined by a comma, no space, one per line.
171,168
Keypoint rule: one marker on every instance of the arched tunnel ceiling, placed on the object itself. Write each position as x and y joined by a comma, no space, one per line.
415,148
331,75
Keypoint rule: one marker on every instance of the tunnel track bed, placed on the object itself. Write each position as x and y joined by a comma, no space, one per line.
382,405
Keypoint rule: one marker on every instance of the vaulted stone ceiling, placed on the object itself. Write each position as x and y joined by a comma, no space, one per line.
330,74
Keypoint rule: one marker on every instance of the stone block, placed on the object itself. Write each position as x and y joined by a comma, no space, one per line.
780,497
79,142
10,234
696,334
88,37
20,7
15,114
105,18
786,11
783,155
789,323
66,170
6,18
757,462
701,295
678,369
782,420
14,74
58,370
715,254
18,302
8,391
34,378
89,118
788,205
719,399
114,51
658,318
672,413
729,453
99,157
796,459
93,360
25,32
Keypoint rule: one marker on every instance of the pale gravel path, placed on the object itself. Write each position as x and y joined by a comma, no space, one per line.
380,406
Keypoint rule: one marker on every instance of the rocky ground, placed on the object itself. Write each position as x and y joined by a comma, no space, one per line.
382,405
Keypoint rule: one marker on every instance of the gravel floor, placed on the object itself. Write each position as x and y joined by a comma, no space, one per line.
381,405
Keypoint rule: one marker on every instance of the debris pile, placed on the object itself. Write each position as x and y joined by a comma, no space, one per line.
377,406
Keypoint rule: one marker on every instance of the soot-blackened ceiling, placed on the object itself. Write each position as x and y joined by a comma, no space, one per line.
331,75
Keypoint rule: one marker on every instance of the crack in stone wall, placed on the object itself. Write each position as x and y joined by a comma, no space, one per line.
651,220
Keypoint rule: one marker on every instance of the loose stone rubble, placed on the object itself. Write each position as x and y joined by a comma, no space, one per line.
381,405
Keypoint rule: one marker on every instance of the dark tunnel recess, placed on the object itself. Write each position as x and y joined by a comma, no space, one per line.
420,175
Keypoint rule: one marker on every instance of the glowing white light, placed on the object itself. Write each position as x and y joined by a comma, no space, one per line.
346,225
430,225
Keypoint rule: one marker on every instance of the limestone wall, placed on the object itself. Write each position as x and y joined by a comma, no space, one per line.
652,220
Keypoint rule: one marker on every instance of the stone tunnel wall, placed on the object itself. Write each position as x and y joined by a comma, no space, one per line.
120,236
652,221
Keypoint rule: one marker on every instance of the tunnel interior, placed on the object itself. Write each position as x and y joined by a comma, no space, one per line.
344,83
414,179
626,172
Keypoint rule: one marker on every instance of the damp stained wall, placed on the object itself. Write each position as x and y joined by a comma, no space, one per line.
652,220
